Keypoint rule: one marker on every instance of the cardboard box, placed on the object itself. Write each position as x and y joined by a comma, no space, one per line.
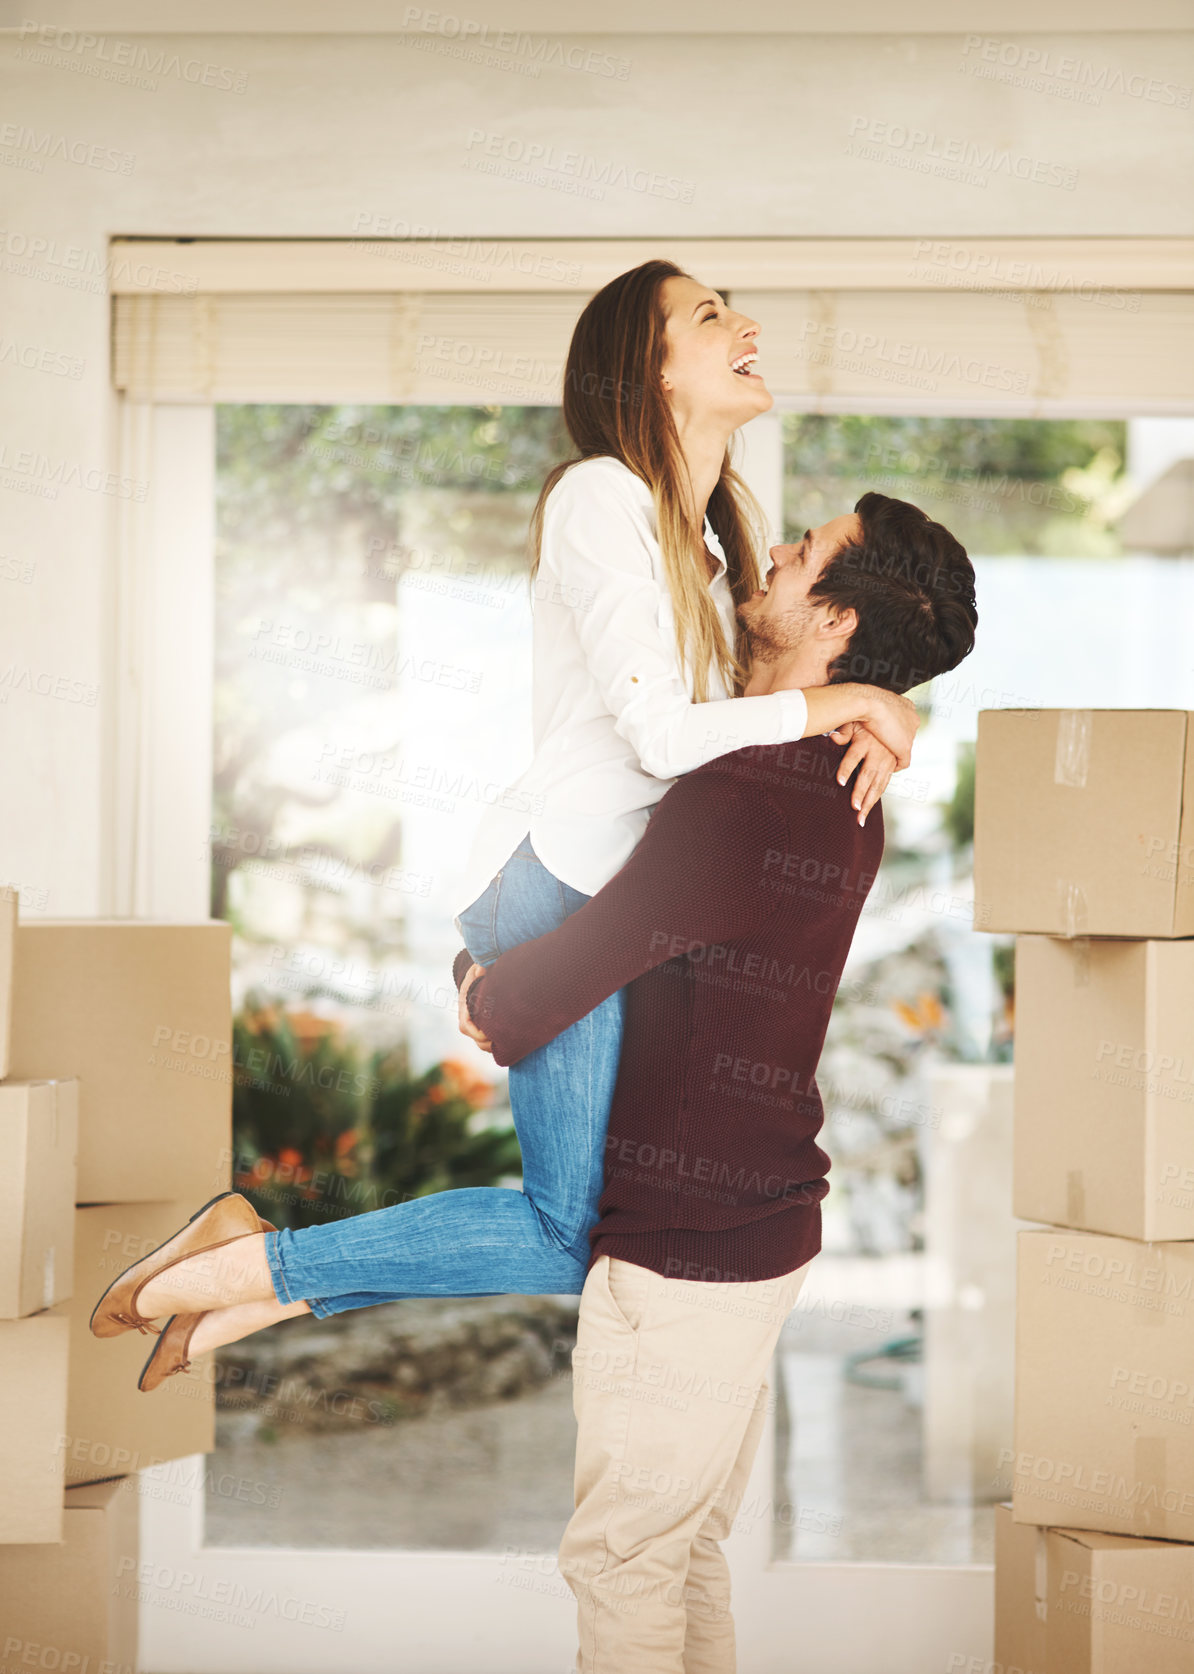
1104,1435
8,934
970,1281
1021,1595
112,1427
38,1144
1084,822
1105,1085
33,1355
141,1014
1070,1601
74,1606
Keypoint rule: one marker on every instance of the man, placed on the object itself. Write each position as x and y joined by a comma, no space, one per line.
730,924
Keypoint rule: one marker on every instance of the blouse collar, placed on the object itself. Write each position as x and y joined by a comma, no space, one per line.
715,547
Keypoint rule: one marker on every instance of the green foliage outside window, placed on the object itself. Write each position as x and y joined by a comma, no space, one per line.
1043,487
325,1129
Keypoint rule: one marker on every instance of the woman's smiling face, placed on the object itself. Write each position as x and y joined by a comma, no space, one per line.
706,341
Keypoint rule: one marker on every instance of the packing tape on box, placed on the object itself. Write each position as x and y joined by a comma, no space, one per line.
1072,915
1071,760
1080,951
1040,1584
1149,1515
1075,1197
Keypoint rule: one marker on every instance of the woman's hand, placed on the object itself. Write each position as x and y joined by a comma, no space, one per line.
467,1026
875,763
892,719
887,716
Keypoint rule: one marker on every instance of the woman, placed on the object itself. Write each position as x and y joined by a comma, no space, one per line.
644,548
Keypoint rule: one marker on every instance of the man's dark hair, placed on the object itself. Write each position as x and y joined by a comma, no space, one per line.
912,587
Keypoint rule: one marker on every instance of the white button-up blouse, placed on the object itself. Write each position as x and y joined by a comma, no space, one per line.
614,721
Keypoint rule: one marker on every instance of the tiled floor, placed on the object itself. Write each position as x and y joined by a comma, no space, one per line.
849,1470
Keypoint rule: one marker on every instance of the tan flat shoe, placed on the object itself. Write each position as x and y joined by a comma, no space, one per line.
225,1219
169,1353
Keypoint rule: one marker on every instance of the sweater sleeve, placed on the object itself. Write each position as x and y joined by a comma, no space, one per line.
701,875
598,543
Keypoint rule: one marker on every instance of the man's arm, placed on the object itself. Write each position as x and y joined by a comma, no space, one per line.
699,876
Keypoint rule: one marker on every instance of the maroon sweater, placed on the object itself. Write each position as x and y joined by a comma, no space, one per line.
729,925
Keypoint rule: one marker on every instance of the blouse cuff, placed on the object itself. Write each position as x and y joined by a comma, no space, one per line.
793,720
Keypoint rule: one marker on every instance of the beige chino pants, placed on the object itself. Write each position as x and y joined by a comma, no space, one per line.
670,1393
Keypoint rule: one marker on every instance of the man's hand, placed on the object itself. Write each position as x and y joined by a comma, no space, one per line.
875,763
467,1026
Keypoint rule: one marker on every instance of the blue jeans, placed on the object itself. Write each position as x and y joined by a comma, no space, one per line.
487,1240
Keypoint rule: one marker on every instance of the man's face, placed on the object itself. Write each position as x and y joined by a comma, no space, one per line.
781,617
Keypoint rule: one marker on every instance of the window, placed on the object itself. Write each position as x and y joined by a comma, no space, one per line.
371,696
896,1368
334,321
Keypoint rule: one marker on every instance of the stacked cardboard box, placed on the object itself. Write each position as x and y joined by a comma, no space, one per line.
1073,1601
141,1013
38,1143
1084,845
38,1128
111,1428
74,1605
115,1123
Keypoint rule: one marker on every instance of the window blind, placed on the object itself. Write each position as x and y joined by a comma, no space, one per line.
1091,330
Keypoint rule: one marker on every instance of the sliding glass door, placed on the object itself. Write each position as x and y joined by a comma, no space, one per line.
324,617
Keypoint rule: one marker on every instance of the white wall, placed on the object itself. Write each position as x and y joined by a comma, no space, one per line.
1155,444
673,17
754,131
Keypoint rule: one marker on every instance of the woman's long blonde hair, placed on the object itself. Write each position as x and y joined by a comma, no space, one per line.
615,406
